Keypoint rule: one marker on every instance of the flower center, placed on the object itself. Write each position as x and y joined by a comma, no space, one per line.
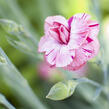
60,33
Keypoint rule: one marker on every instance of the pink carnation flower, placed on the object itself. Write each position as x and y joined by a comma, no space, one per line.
69,43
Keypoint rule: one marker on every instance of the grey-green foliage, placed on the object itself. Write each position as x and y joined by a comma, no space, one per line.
12,77
6,103
19,37
11,10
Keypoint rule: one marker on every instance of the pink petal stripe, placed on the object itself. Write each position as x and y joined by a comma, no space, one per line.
94,28
70,21
64,34
82,16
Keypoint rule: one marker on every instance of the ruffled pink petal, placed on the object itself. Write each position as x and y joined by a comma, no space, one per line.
60,57
79,29
91,49
76,40
79,16
64,57
85,53
79,23
51,57
94,28
54,20
47,44
61,34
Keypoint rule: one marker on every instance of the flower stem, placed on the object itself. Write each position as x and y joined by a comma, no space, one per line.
86,80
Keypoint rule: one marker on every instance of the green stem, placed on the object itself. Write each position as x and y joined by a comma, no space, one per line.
86,80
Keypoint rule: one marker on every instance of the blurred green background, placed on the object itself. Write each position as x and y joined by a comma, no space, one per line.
31,14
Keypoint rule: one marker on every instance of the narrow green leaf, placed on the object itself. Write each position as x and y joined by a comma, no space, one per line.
4,102
20,87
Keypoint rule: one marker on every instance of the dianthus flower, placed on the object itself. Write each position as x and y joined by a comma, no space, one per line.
69,43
